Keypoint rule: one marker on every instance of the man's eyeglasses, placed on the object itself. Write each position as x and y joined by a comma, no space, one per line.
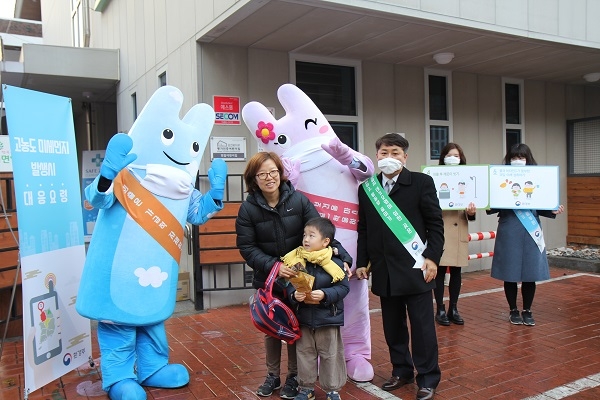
263,175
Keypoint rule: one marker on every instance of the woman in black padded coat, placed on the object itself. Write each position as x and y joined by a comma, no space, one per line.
270,223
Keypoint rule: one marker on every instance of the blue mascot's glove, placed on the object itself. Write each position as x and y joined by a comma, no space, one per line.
117,155
217,175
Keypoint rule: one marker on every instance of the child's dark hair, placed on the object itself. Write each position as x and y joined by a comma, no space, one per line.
323,225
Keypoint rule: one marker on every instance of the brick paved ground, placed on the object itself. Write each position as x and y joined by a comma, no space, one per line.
487,358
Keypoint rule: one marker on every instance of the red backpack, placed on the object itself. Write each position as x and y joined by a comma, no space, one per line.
271,315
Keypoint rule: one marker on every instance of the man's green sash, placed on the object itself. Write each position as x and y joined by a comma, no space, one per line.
395,220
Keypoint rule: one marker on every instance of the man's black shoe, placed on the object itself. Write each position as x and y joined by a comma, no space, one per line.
395,382
425,394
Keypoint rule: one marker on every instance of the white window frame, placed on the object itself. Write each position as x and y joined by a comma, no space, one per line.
429,122
356,64
506,126
80,20
161,73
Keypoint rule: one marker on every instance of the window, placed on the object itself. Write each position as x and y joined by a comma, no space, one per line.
162,79
583,149
80,25
331,87
334,88
438,109
134,105
512,96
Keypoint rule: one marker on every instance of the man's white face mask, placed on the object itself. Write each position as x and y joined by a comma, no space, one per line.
389,165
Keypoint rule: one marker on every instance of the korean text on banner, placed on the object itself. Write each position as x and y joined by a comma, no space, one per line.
42,141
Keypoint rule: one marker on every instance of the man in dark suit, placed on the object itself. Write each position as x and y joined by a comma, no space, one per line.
403,264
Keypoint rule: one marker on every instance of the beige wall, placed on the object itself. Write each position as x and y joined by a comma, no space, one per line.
392,96
564,21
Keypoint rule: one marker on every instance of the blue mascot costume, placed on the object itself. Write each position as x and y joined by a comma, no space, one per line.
145,195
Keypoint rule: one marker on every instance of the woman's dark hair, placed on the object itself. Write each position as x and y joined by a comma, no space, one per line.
254,165
446,150
519,150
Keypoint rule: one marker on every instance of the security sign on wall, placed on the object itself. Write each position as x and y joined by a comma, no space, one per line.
227,110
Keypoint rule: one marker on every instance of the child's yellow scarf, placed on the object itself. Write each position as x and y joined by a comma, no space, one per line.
318,257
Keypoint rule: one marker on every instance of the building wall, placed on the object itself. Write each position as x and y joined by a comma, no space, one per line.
564,21
154,38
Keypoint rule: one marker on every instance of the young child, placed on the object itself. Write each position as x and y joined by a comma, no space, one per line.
320,321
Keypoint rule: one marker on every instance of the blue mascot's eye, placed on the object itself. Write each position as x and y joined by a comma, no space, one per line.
281,139
167,137
195,149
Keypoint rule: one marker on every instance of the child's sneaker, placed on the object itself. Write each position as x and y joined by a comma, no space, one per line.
272,382
290,387
305,394
333,396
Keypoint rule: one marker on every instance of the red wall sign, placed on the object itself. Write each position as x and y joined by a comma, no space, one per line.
227,110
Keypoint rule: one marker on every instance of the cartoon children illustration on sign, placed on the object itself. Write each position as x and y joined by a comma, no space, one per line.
145,194
444,192
528,189
462,186
516,189
328,172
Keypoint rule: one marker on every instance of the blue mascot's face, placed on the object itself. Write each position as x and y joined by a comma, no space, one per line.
161,137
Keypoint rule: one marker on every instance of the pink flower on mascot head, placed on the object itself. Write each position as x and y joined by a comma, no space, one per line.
328,172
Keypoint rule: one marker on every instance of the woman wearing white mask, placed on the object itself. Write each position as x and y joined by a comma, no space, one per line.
517,257
456,246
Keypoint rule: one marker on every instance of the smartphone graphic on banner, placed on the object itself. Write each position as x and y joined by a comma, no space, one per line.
47,342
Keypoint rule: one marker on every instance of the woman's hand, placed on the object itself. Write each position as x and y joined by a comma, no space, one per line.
286,272
471,209
559,210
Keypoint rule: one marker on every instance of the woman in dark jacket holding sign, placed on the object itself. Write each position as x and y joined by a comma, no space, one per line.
518,257
270,223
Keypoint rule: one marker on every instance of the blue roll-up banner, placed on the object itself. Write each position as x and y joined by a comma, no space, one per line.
51,246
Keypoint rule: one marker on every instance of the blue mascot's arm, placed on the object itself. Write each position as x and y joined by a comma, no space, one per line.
97,198
202,208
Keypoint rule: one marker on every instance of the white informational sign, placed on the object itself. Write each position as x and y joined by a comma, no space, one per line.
5,158
533,187
90,168
228,148
459,185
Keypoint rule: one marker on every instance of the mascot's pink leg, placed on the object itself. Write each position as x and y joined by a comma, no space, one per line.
356,332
